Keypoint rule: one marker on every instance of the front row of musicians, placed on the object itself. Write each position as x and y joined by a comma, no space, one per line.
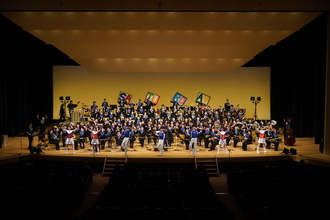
76,138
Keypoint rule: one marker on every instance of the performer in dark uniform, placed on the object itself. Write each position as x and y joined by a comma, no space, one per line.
102,138
215,140
62,112
71,108
206,137
141,135
247,140
30,134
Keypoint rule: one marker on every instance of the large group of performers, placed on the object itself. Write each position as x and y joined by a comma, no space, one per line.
126,125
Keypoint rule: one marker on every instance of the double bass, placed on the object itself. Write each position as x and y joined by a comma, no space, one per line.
289,138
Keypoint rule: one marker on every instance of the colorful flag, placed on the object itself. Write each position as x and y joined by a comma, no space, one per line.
124,96
179,98
203,98
154,98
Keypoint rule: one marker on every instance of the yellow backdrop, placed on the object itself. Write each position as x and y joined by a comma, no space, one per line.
86,87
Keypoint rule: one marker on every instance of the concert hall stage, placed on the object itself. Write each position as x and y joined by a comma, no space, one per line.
15,148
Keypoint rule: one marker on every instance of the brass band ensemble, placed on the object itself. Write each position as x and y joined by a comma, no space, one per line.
126,125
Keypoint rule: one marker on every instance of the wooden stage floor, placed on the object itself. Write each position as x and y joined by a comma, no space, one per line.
307,150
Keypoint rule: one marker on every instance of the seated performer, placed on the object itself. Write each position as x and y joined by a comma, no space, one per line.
53,139
247,140
141,135
215,140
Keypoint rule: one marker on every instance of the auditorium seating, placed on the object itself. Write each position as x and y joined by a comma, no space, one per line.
32,189
158,191
276,190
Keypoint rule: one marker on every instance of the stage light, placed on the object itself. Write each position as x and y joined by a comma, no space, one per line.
285,151
61,97
255,102
293,151
67,98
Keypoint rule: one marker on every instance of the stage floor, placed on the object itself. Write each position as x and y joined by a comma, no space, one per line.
306,150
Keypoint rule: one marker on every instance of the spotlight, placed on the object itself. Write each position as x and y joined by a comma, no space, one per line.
285,151
67,98
259,98
293,151
61,97
252,98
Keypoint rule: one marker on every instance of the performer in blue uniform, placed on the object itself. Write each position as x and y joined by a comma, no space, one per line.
161,139
193,142
126,135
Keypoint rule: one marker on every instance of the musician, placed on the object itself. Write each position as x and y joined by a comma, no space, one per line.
109,136
141,134
216,138
236,133
148,104
275,139
247,139
272,137
132,138
102,138
30,134
62,112
227,105
206,136
268,136
53,139
42,125
104,104
71,107
82,134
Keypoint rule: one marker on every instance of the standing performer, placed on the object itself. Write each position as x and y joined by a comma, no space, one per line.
30,134
126,135
62,112
161,139
262,139
95,140
193,142
69,139
222,142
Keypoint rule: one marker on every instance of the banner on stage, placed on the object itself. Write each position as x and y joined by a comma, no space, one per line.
179,98
124,96
203,98
154,98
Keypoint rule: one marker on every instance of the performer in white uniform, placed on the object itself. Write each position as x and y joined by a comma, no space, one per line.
261,139
69,139
222,142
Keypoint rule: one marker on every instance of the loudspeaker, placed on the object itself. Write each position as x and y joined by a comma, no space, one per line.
285,151
293,151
